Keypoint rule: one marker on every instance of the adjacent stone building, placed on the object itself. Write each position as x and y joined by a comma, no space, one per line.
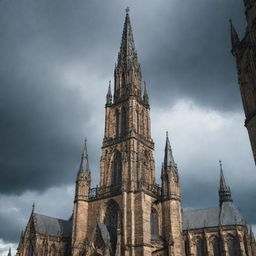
245,53
128,214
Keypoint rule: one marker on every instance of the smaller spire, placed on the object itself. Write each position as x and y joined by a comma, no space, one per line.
145,95
10,252
168,156
84,165
109,95
235,41
224,189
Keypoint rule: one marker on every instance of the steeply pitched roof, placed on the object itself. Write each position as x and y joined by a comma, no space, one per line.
52,226
225,215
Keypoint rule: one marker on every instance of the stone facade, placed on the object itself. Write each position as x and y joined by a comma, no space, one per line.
245,53
128,214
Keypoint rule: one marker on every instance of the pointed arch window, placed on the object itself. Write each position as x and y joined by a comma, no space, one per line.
232,245
113,223
138,121
117,123
31,250
117,169
45,249
200,250
123,121
187,248
53,250
246,245
154,224
142,122
215,244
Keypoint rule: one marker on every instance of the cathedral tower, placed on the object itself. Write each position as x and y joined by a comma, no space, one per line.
128,203
245,54
80,210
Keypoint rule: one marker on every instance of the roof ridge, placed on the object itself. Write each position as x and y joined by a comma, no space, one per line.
194,210
50,217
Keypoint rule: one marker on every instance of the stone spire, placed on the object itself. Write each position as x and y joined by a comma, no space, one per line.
127,49
145,95
127,71
168,157
84,170
224,189
235,41
10,252
109,95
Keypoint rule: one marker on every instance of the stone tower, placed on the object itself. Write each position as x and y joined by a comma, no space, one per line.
245,54
125,214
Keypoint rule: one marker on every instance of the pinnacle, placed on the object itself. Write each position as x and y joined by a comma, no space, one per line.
109,95
168,157
127,48
224,189
84,165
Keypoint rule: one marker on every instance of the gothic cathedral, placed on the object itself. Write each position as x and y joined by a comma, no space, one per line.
245,54
128,214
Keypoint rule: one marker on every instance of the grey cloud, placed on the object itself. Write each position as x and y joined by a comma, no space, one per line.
184,50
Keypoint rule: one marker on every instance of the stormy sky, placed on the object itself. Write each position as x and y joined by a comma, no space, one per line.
56,60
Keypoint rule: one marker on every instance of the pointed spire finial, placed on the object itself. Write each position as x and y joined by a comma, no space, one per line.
224,189
127,9
84,165
109,94
168,156
127,49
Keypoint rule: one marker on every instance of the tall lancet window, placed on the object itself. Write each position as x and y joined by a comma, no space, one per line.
117,169
124,121
138,121
154,224
233,249
53,250
142,122
113,223
117,124
215,243
30,250
200,250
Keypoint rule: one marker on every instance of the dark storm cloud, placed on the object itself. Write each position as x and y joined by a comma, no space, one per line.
56,56
187,54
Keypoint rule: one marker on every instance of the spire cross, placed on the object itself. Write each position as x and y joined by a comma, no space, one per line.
220,164
127,9
166,134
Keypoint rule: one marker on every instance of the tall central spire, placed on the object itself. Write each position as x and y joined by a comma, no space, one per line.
127,49
127,72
